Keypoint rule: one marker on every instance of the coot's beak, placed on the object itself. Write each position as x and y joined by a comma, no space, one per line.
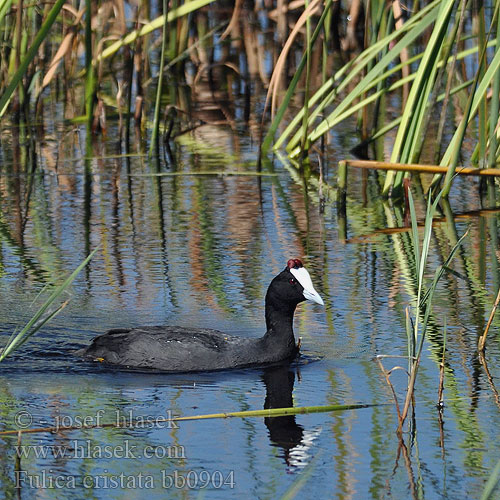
303,277
312,294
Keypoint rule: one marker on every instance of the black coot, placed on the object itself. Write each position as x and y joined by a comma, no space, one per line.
178,349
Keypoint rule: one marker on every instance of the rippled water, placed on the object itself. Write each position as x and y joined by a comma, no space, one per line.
200,250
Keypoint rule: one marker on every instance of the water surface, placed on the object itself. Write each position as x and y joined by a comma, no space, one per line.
200,250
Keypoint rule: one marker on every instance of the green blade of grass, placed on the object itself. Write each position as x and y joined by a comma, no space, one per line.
437,276
266,144
157,23
353,69
412,122
495,107
4,7
38,320
327,94
363,85
154,145
32,51
480,88
492,482
424,300
266,413
302,479
414,232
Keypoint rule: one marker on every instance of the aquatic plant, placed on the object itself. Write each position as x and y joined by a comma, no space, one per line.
23,63
416,329
428,45
27,55
48,310
492,483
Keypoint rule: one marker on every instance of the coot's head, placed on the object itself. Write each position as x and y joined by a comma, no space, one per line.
293,285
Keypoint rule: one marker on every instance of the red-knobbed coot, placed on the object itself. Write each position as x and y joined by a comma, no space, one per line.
179,349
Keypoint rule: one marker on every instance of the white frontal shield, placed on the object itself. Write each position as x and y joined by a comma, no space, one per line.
303,277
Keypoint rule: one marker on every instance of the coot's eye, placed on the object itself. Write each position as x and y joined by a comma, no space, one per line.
292,281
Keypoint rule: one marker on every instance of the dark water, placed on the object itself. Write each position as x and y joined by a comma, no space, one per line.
200,250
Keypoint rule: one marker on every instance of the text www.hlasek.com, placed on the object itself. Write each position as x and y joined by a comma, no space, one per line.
85,449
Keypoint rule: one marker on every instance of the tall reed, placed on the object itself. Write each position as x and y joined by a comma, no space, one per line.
153,147
360,84
24,63
417,329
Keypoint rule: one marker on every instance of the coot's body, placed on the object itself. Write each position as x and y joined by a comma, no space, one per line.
179,349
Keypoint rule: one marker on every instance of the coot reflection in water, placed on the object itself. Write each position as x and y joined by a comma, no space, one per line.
284,431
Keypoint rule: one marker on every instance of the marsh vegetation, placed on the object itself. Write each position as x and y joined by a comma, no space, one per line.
197,146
